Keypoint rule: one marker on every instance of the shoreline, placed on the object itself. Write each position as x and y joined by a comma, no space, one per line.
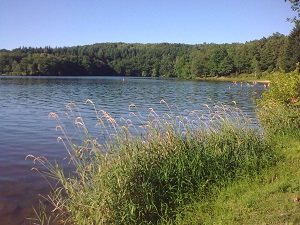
235,79
221,79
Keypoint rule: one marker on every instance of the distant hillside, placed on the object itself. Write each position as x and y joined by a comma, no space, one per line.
156,60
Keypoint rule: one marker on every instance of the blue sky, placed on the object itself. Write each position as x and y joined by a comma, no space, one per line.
39,23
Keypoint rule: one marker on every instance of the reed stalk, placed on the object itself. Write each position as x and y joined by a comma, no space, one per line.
147,174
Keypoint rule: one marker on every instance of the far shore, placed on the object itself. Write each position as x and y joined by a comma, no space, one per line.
247,79
235,79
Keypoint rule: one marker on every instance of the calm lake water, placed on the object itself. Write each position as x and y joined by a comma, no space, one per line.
26,129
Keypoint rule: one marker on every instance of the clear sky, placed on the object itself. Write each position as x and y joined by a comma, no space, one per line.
39,23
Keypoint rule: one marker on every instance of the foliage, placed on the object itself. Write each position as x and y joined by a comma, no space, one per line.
278,109
291,54
295,5
284,87
156,60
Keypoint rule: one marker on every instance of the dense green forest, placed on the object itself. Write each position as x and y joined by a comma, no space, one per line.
157,60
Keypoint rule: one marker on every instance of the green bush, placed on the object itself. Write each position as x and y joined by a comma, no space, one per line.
284,87
279,109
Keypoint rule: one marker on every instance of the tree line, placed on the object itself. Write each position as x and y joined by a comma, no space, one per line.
277,52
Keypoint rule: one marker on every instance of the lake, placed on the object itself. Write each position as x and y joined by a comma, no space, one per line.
26,129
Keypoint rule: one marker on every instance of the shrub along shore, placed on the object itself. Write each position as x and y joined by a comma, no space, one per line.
213,170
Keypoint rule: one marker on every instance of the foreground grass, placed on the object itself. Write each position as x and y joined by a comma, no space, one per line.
269,198
155,178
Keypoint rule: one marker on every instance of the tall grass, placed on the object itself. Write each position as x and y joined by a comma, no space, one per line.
150,173
279,119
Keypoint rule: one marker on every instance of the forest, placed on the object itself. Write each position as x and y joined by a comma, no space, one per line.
277,52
